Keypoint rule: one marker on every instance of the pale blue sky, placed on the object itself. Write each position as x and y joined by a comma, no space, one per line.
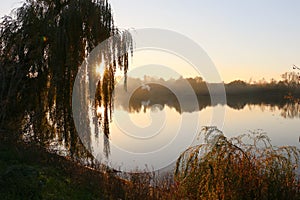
245,39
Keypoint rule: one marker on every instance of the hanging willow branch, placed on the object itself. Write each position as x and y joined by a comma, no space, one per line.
41,49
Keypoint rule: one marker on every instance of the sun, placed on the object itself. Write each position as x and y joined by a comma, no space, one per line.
100,68
100,110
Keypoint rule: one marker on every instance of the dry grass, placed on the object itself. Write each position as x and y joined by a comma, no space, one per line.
244,167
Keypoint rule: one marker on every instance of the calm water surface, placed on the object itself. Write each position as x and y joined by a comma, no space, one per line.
154,136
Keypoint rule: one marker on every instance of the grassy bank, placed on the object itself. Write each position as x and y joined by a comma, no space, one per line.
29,172
222,169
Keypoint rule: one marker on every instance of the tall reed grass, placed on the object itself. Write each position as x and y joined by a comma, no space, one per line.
243,167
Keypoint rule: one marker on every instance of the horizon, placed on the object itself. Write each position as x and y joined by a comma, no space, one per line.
250,81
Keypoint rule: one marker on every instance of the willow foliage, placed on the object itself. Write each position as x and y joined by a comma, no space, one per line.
41,49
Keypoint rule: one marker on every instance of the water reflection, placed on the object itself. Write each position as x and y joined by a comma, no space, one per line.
253,117
290,111
143,99
253,112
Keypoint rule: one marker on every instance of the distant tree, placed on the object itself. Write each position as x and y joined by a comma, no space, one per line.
273,81
291,78
238,83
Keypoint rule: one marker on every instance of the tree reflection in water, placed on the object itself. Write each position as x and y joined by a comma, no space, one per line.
163,96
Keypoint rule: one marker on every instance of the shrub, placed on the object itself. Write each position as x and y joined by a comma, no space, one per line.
243,167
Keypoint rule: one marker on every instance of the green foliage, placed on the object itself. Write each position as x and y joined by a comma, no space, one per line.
244,167
29,172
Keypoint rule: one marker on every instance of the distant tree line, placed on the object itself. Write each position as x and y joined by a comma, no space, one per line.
289,84
238,94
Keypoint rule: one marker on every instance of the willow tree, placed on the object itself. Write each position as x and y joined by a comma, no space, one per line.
41,48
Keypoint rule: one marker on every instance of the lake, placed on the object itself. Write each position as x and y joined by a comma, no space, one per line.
150,134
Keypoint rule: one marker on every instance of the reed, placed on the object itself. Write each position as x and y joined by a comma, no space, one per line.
243,167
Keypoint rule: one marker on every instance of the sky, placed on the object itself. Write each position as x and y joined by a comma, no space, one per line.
249,39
